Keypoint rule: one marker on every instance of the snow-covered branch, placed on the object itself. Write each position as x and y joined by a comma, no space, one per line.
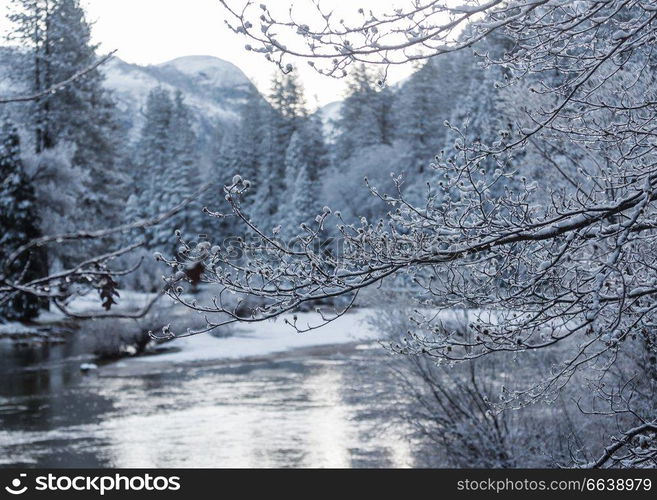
88,274
538,264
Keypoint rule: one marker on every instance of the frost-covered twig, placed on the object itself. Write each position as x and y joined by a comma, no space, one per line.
90,273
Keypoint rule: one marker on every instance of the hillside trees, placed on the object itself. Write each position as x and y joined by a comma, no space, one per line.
285,115
364,119
299,198
167,168
269,135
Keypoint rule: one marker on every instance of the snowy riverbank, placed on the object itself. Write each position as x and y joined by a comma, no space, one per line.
239,341
257,340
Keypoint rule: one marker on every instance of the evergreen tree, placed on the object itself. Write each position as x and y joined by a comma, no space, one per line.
315,150
419,118
154,157
31,21
303,204
364,119
153,147
57,39
18,225
154,152
167,169
295,158
181,178
244,153
228,162
269,184
299,196
287,97
286,115
84,113
383,106
250,136
133,211
230,159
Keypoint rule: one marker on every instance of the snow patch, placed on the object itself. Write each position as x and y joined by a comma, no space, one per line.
17,328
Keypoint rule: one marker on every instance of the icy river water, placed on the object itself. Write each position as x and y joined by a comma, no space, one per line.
320,407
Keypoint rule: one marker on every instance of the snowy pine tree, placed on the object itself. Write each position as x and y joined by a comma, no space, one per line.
181,178
31,20
154,156
300,206
269,184
286,115
315,151
300,192
167,169
365,116
295,158
56,39
420,118
249,140
18,225
242,148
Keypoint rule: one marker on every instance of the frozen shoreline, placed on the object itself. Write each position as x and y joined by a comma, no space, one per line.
251,341
243,340
265,338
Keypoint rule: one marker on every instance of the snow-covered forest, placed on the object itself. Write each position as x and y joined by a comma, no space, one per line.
493,213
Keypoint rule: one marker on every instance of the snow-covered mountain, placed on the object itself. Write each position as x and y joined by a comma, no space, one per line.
208,71
213,88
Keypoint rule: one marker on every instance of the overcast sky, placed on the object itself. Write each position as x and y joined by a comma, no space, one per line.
154,31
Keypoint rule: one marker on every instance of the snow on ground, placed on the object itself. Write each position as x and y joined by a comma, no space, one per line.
15,327
267,337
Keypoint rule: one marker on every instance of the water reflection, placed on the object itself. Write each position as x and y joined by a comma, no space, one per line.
324,410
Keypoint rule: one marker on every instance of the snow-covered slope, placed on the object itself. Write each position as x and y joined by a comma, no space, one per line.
209,71
330,114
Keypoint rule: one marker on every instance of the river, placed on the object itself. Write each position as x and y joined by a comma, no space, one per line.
319,407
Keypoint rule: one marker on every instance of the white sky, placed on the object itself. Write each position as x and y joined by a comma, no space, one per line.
155,31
